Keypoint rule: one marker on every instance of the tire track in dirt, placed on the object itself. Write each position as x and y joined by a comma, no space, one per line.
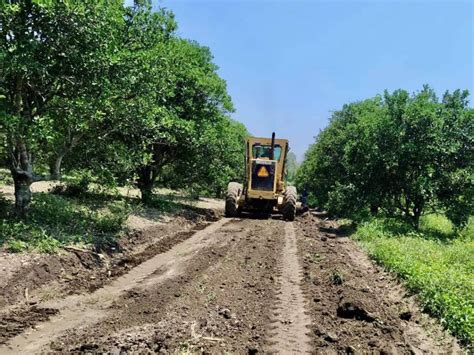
221,303
242,286
21,316
81,310
290,334
75,271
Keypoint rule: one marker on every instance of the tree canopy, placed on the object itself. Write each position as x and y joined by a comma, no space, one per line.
398,154
104,87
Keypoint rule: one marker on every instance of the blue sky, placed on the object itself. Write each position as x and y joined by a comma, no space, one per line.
288,64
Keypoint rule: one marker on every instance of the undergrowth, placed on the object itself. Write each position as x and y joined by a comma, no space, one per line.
76,213
55,220
436,263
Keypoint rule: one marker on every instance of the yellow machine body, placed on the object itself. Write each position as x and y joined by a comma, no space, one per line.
258,160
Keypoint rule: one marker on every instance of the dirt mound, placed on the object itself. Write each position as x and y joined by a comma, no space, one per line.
17,320
353,310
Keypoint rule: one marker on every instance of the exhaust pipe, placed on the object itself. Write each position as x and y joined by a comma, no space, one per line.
273,147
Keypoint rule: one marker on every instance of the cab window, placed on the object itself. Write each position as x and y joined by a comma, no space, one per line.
264,151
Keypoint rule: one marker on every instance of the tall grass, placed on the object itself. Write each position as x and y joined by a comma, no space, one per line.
436,263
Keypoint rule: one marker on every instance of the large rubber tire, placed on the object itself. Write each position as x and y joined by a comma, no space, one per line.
289,203
234,189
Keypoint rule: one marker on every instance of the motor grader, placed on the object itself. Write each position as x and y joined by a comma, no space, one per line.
264,188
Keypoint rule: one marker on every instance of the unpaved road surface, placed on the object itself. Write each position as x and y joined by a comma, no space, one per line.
241,286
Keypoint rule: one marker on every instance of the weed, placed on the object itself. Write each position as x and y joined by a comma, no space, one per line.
47,245
186,348
201,288
211,296
337,278
55,220
316,258
16,246
436,223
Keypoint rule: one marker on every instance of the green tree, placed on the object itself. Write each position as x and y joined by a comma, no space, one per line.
398,153
455,190
114,91
169,98
215,159
54,56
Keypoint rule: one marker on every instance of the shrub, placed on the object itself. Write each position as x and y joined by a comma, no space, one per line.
76,185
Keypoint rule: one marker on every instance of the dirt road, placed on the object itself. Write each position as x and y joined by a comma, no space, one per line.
238,286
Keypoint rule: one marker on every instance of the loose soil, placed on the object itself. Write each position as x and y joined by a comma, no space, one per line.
213,292
29,280
232,285
355,305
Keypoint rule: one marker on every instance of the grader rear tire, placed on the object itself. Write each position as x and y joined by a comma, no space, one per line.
289,203
234,190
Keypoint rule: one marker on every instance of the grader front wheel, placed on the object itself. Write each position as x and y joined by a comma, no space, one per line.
289,203
234,190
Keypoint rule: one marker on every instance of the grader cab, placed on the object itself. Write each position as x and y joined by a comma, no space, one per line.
264,188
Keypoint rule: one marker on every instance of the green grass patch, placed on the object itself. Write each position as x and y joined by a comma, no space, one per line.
166,204
436,263
55,220
77,212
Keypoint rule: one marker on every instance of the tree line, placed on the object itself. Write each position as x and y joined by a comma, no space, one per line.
113,90
398,155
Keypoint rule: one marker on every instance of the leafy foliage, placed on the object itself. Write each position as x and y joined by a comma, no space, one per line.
291,167
55,63
111,90
398,154
209,165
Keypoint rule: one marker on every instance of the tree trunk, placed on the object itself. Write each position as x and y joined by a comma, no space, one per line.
56,161
55,167
22,194
146,180
147,194
417,210
374,209
21,168
20,160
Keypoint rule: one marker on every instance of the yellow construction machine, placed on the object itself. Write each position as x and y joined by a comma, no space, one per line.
264,188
